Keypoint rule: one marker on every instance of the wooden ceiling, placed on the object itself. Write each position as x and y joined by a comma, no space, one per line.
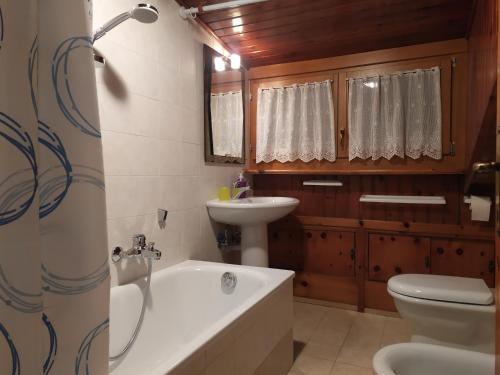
280,31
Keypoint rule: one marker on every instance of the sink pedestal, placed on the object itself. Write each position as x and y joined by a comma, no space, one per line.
252,214
254,250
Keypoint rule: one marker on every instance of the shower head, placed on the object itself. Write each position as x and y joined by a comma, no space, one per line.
145,13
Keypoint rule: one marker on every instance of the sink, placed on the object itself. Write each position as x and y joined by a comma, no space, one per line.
253,214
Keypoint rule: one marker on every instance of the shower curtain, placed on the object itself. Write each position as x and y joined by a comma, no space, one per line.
54,275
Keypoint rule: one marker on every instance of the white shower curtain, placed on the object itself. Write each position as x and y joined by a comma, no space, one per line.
54,276
227,123
295,122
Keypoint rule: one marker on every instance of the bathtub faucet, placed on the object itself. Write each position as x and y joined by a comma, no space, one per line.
139,248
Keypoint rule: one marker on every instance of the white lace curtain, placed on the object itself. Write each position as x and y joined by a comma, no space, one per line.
395,115
227,123
295,122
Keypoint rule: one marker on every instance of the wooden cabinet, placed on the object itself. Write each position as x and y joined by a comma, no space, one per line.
329,252
285,248
464,258
390,255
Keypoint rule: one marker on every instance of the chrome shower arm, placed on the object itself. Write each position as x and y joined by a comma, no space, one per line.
111,24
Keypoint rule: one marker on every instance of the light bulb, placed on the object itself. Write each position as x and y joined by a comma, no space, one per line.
219,63
235,61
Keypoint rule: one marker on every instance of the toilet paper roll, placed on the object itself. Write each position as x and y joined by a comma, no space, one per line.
480,208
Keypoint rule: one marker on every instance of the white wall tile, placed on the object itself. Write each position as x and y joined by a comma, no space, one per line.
151,109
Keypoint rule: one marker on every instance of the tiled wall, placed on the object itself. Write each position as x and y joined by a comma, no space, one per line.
151,108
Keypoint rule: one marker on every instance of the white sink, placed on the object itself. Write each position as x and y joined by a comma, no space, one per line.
252,214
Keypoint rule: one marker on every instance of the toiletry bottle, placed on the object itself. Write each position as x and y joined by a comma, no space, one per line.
238,184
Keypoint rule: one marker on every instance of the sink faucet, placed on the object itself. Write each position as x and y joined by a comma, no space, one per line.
242,190
139,248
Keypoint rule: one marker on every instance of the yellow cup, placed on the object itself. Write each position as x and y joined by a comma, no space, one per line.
223,193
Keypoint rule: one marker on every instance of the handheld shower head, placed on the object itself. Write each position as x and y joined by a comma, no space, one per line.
145,13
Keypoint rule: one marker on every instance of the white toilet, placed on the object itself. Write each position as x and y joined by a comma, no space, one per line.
445,310
419,359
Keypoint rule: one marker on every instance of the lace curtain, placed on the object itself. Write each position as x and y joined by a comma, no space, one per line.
395,115
227,123
295,122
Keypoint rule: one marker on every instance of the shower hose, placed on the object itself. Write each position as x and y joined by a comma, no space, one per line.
141,317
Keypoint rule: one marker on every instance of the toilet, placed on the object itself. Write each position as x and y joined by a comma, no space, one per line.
428,359
445,310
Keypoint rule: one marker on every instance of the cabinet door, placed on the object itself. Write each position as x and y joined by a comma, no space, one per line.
464,258
329,252
284,248
392,255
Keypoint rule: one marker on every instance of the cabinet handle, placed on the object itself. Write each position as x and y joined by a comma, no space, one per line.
353,254
397,269
342,135
427,262
491,266
459,251
323,235
440,250
376,268
309,235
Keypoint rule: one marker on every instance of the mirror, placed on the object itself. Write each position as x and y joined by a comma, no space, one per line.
224,109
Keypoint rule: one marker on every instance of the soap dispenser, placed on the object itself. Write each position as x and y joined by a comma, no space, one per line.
240,187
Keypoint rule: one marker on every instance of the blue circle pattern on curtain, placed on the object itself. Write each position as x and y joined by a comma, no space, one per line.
32,73
16,364
53,189
49,361
82,359
1,28
62,87
16,198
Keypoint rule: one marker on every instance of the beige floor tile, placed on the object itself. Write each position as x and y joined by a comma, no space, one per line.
363,340
321,351
396,331
306,365
343,369
333,329
306,319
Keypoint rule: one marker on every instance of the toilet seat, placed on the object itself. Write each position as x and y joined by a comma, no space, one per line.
461,290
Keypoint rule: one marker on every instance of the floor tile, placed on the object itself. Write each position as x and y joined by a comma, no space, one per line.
343,369
306,365
321,351
396,331
362,341
334,327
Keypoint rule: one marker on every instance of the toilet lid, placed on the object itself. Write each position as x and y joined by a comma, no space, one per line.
442,288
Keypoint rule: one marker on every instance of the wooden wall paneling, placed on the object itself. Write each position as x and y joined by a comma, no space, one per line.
483,40
464,258
390,255
343,202
329,252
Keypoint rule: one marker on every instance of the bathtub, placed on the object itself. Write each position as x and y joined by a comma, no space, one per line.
192,326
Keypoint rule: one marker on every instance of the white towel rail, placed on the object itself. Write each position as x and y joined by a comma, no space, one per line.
404,199
322,183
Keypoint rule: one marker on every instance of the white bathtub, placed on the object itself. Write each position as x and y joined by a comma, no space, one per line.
191,325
